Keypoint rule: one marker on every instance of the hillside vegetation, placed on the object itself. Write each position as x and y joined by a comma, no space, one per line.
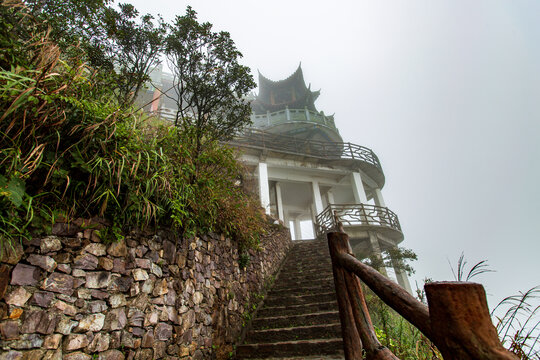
73,145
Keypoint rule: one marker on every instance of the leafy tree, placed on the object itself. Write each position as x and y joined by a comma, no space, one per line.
209,82
395,257
71,21
121,44
134,48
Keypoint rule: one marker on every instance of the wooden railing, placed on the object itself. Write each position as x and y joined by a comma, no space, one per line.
457,320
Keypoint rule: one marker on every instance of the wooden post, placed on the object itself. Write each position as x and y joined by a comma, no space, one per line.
391,293
374,349
461,324
352,345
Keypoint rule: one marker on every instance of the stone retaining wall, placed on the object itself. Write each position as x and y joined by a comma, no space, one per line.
146,297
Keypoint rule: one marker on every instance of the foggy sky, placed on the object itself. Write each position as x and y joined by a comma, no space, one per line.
446,93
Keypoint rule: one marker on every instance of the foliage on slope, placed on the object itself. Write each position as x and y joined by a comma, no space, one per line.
69,147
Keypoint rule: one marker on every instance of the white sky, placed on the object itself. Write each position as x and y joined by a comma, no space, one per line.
447,94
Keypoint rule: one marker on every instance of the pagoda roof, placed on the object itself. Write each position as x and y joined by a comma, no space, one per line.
291,92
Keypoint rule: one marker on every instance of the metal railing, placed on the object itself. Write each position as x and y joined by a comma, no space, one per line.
293,145
355,215
292,115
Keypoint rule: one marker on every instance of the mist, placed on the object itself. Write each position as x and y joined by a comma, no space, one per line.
445,93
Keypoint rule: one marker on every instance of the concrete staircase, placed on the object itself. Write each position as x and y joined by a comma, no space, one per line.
299,318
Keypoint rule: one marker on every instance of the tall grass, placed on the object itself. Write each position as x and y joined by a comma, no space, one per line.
68,149
519,326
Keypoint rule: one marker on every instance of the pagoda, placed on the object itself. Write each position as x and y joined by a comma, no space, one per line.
306,174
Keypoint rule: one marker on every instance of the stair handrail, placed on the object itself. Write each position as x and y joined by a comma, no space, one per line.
456,319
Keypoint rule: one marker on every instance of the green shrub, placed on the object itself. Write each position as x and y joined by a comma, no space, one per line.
67,148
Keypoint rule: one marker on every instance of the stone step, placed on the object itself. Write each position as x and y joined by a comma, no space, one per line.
292,299
314,357
301,349
308,332
297,309
325,317
303,290
309,275
304,281
320,266
315,252
299,318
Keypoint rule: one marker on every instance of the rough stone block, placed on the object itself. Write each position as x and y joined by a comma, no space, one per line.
106,263
40,321
135,317
139,274
160,288
117,300
27,341
11,355
11,253
50,244
52,341
77,356
97,306
163,331
45,262
116,319
93,322
65,268
9,330
98,280
143,263
24,274
96,249
156,270
99,343
60,283
18,297
53,355
117,249
85,261
66,325
75,342
111,355
121,283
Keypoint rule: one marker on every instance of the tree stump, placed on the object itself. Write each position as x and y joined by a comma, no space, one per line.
461,324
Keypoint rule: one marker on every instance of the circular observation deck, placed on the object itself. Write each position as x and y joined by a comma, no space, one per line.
254,141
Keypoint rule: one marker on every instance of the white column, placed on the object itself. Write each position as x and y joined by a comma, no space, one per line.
317,201
358,188
297,230
287,112
378,198
376,250
330,197
313,214
402,278
279,202
264,188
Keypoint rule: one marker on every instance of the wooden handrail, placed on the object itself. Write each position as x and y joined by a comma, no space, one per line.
392,294
457,320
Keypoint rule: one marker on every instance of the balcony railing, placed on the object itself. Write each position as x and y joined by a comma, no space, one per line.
292,115
320,149
355,215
